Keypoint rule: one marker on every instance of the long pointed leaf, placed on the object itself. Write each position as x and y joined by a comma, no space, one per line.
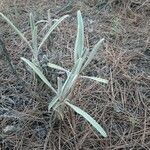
59,85
15,28
34,36
32,23
72,76
34,41
49,17
79,44
96,79
88,118
92,53
57,67
41,21
51,29
78,66
53,102
39,73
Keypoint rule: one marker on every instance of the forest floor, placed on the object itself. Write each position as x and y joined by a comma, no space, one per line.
122,107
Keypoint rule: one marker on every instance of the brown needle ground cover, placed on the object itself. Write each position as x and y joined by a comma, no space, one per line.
122,107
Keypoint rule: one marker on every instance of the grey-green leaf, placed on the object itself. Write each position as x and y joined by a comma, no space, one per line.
96,79
72,76
88,118
34,42
32,23
41,21
49,17
59,81
53,102
92,53
79,44
51,29
39,73
34,36
15,28
54,66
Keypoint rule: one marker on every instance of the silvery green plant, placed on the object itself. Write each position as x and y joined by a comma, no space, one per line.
33,45
82,58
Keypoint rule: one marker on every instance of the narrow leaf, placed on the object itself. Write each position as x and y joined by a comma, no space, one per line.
72,76
84,57
32,23
77,66
88,118
15,28
39,73
34,41
53,102
49,17
57,67
96,79
68,85
79,44
33,31
41,21
92,53
34,36
59,85
52,28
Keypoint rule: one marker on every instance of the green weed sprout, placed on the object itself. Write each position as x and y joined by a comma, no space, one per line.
82,58
33,45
